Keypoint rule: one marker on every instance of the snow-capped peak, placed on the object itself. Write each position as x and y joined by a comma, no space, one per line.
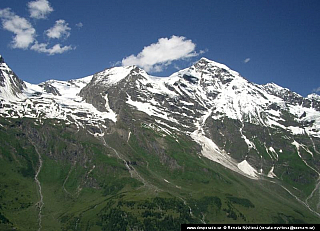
212,63
208,64
3,65
274,89
10,85
111,76
314,96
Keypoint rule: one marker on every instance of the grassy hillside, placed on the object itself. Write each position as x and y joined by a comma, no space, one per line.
149,180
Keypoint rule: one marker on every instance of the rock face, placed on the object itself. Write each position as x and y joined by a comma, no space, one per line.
48,88
199,119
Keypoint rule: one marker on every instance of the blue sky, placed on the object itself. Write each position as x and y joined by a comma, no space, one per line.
265,41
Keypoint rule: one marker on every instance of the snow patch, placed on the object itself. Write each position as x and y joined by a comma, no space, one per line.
211,151
275,154
245,167
296,130
271,173
150,109
110,114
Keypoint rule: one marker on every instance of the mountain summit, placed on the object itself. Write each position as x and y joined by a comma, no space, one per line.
10,85
204,130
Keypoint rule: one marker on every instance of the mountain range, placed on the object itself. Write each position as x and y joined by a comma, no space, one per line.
124,150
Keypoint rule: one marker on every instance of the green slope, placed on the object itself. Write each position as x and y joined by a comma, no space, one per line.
86,185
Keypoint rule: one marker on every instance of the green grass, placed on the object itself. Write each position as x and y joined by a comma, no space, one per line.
86,187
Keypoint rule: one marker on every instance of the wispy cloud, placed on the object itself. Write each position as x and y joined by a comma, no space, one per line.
176,67
59,30
246,60
317,90
201,52
56,49
24,33
79,25
39,9
157,56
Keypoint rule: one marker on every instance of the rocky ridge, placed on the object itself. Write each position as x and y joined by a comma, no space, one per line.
195,101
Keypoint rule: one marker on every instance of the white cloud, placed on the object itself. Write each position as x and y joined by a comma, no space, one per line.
155,57
59,30
21,27
56,49
25,34
39,9
246,60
